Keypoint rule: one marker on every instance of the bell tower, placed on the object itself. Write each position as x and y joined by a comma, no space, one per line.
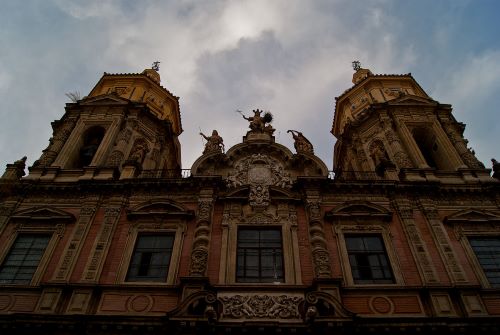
127,126
387,127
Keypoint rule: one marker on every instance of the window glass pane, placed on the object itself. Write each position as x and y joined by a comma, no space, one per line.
368,259
487,250
23,258
151,258
259,255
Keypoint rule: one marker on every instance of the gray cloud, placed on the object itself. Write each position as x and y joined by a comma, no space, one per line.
291,57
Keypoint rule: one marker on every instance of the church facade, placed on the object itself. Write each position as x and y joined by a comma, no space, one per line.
107,234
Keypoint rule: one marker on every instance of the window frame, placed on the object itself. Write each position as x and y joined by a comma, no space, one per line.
490,237
55,231
137,278
471,254
367,253
341,230
234,217
174,227
22,263
260,249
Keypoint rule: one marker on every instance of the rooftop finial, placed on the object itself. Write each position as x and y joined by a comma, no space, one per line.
156,66
356,65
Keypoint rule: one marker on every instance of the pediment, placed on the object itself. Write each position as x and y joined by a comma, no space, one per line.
159,208
412,100
43,213
359,209
471,216
106,99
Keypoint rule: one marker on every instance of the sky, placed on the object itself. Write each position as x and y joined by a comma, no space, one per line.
291,57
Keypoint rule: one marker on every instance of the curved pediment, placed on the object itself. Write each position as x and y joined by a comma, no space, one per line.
159,208
359,209
43,213
471,216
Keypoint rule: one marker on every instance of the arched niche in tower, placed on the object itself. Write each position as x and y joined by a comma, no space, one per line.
430,148
87,147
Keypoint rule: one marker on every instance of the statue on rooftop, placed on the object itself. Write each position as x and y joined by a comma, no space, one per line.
496,168
302,144
258,122
214,143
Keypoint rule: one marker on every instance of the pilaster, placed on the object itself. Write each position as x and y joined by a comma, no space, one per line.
416,242
319,249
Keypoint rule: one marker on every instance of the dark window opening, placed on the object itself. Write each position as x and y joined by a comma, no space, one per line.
368,259
24,256
91,141
427,145
487,250
151,258
259,256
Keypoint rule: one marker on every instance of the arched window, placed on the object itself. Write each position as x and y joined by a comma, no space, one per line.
91,140
426,142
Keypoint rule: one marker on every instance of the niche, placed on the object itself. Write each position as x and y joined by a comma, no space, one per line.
431,149
89,144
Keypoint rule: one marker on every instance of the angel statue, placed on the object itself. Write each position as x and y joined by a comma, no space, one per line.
302,144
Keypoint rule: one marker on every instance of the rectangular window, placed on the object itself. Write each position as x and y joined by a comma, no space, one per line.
487,250
151,258
23,258
259,256
368,259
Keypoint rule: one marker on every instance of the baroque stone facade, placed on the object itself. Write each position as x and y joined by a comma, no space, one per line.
399,238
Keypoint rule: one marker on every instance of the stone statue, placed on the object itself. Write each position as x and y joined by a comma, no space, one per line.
20,165
15,171
380,158
258,122
214,143
138,152
302,144
496,168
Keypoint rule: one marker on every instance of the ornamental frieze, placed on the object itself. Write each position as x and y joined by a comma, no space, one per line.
261,306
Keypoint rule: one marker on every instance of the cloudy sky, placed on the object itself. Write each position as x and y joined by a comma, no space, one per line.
292,57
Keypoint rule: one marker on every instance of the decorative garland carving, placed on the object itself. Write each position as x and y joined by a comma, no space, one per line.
261,306
199,253
401,158
320,255
460,144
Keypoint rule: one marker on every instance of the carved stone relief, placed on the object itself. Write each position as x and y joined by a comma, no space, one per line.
199,253
259,172
261,306
320,255
55,144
